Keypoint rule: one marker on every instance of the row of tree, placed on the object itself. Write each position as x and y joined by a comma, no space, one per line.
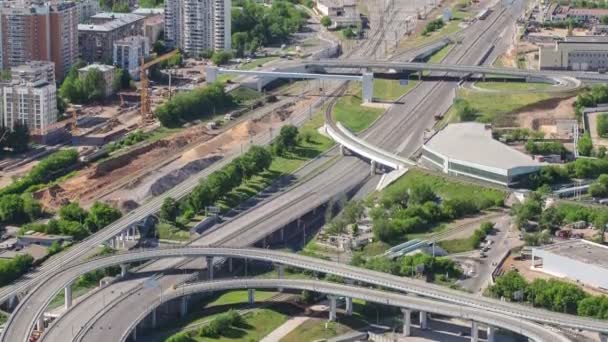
12,269
420,264
199,103
77,222
49,169
18,209
92,86
582,168
545,147
553,294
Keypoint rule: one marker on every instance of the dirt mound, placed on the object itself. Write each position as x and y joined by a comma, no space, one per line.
555,108
177,176
128,205
51,197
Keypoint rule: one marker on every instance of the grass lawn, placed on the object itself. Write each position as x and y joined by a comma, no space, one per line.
513,86
375,248
240,297
494,107
169,232
349,111
457,245
244,94
258,324
255,62
391,90
446,188
316,329
438,56
452,27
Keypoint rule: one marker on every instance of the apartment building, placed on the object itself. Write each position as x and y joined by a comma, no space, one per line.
198,25
87,9
96,40
128,53
108,72
46,32
30,97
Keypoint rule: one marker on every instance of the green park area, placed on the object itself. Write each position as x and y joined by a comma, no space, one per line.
513,86
434,30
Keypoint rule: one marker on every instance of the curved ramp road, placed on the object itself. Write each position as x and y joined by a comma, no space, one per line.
21,322
521,326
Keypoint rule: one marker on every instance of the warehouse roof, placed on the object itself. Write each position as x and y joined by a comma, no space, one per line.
581,250
473,142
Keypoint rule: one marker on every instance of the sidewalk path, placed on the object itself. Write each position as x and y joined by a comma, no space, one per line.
285,329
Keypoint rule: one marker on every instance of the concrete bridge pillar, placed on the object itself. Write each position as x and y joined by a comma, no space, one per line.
280,274
12,302
372,170
349,306
420,75
68,296
123,239
367,87
111,241
183,306
483,77
342,150
603,337
260,83
211,74
490,332
282,234
230,265
474,332
251,296
423,320
134,334
209,260
332,307
407,322
124,269
153,319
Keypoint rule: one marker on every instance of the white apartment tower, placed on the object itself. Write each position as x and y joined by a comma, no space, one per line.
30,98
198,25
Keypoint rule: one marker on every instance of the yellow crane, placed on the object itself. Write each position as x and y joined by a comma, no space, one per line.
145,82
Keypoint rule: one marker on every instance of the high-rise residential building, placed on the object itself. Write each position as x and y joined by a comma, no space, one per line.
198,25
43,32
30,97
87,9
128,53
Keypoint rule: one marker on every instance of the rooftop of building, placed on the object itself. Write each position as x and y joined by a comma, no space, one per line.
36,251
586,39
581,250
337,3
100,67
115,21
149,11
33,66
473,142
130,40
588,11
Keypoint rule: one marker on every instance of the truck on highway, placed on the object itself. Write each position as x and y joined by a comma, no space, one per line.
484,14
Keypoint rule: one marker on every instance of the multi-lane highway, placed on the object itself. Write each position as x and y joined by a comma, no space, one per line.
23,320
400,131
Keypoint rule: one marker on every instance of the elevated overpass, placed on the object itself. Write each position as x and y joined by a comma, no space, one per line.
31,309
406,303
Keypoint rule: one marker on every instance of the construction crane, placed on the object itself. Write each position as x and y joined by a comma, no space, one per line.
145,83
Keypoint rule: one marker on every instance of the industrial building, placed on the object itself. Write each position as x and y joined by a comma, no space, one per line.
578,260
107,71
128,53
96,40
343,13
585,53
30,97
468,149
39,32
198,25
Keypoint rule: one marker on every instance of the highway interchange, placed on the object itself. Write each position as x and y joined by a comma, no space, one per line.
399,131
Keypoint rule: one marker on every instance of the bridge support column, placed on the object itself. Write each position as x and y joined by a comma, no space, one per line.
12,302
282,233
40,323
603,337
134,334
111,242
407,322
230,265
124,269
420,75
211,74
123,239
183,306
260,84
474,332
209,260
423,320
332,307
368,87
153,319
490,332
280,274
251,296
483,77
349,306
67,291
372,170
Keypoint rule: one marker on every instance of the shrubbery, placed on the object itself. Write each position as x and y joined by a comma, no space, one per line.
129,140
545,148
12,269
553,294
433,26
199,103
409,265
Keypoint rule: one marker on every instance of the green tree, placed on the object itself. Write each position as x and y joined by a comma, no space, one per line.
326,21
420,194
508,285
94,85
11,209
465,111
31,207
169,210
599,188
101,215
73,212
239,43
585,146
122,80
221,57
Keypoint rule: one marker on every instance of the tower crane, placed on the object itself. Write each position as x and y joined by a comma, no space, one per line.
145,82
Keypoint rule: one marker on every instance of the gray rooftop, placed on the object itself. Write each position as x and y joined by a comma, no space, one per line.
472,142
115,21
581,250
